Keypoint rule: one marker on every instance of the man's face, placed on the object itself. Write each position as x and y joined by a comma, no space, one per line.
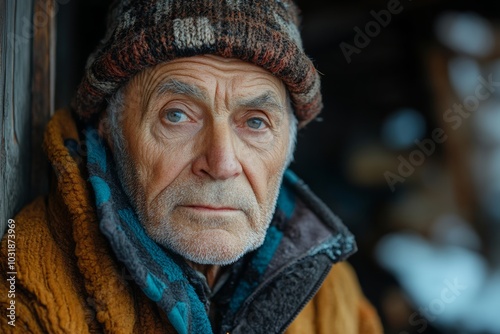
206,142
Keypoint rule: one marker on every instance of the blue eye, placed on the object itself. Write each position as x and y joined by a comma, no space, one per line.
176,116
255,123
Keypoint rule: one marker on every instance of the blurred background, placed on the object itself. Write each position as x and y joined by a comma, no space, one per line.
407,151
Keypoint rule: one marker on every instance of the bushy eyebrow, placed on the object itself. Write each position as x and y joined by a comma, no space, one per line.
173,86
268,100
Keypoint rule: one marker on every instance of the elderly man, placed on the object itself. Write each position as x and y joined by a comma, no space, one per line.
171,210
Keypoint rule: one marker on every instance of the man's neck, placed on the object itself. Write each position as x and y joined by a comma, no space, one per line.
211,272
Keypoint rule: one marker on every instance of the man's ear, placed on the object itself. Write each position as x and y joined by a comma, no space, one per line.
103,129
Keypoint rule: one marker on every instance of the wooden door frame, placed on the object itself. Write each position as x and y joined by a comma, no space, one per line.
27,67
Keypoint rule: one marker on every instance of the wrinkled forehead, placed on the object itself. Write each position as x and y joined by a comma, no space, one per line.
207,77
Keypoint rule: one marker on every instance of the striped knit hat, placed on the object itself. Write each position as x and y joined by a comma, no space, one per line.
144,33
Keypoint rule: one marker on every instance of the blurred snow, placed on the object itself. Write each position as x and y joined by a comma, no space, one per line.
485,157
494,69
451,229
402,128
425,270
465,32
464,73
486,122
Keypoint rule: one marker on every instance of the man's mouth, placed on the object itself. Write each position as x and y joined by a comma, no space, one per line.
210,208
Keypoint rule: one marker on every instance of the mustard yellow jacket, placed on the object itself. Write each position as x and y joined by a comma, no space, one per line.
67,279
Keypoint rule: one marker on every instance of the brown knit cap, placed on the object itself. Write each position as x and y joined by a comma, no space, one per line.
144,33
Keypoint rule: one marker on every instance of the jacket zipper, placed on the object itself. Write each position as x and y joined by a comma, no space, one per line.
265,284
311,295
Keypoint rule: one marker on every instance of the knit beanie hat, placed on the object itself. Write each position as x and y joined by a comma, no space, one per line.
144,33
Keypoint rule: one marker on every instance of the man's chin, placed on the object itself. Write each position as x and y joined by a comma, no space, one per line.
214,246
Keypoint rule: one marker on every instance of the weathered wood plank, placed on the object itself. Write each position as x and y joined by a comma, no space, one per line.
15,98
43,89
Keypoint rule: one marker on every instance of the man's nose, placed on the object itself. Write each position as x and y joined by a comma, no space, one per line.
218,157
